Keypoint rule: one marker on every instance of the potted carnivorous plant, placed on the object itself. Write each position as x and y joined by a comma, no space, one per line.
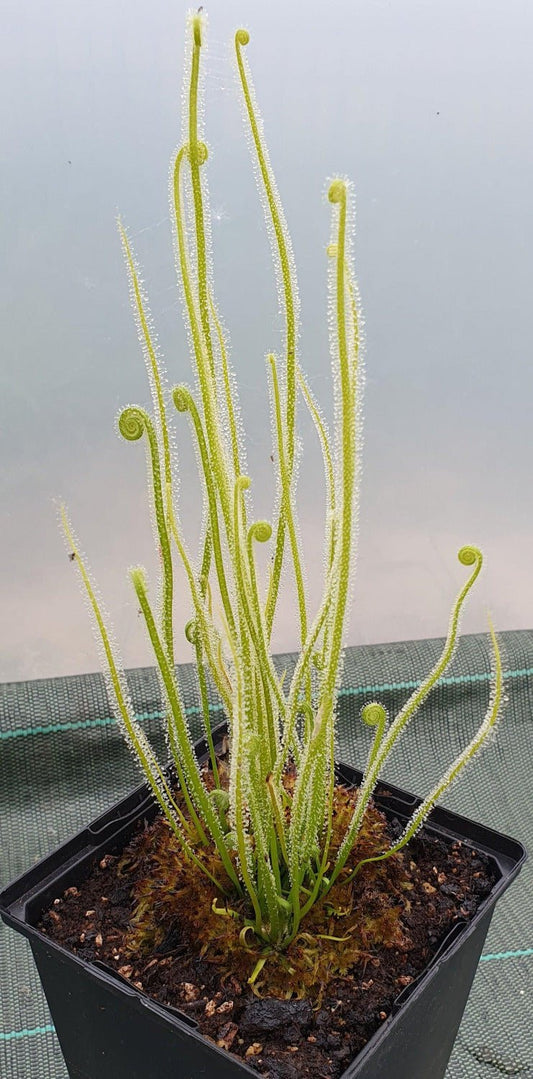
283,915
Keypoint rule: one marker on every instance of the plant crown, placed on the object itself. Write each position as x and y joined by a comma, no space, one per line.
272,838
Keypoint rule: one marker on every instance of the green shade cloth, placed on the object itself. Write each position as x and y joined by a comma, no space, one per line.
63,762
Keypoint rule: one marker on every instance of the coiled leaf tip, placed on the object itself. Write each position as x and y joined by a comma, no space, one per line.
182,398
373,714
468,555
337,191
261,531
132,424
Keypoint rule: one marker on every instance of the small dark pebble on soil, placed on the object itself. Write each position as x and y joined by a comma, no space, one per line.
264,1016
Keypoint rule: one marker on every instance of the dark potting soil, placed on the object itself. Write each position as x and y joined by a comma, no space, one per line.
360,950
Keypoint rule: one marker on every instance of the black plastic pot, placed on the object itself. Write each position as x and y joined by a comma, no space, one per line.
110,1030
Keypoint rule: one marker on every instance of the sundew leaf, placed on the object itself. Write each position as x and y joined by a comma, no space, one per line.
270,817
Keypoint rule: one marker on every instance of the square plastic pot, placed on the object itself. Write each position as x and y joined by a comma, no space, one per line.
110,1030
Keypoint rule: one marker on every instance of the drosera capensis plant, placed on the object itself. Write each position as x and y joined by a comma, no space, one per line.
260,826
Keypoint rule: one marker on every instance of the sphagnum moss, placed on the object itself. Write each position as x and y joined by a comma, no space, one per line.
271,848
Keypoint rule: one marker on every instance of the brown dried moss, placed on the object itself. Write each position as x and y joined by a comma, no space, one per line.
339,932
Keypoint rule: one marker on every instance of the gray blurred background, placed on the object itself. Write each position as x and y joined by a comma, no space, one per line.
427,107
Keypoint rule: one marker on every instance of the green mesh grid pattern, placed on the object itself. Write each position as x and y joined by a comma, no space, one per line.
63,762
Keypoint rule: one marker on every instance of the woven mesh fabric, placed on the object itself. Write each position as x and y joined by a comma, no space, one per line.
64,762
